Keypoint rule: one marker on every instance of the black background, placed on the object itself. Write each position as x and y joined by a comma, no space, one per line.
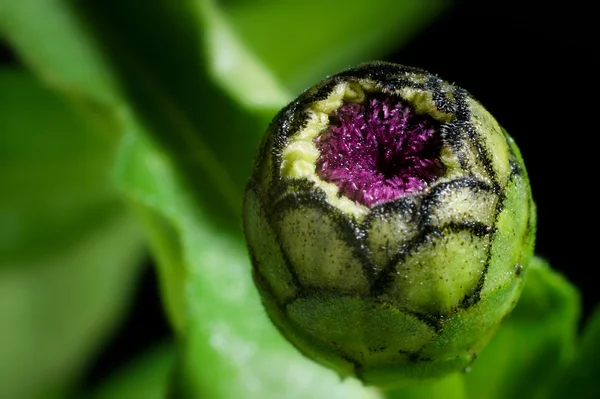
535,69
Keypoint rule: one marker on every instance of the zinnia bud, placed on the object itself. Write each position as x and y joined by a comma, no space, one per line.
390,222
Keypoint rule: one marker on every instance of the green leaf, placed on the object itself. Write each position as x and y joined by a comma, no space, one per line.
57,46
52,40
581,379
53,170
451,387
535,343
145,377
164,74
229,347
69,250
234,67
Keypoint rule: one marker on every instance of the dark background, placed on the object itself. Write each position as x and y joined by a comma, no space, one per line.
535,69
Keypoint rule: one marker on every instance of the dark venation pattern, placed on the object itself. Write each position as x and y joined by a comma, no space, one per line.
308,195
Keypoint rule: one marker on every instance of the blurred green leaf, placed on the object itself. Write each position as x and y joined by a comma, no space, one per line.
52,40
301,41
451,387
145,377
534,345
161,65
56,45
53,170
581,379
69,250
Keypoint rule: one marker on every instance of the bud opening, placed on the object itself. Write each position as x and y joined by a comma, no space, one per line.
379,150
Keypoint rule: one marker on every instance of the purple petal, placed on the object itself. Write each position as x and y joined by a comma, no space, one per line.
379,150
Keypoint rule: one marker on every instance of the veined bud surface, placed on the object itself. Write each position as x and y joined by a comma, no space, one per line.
390,222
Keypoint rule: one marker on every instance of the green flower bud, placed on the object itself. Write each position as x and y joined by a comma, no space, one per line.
390,222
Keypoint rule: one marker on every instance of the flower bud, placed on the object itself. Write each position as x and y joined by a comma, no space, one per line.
390,222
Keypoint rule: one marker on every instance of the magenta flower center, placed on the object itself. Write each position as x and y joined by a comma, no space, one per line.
379,150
